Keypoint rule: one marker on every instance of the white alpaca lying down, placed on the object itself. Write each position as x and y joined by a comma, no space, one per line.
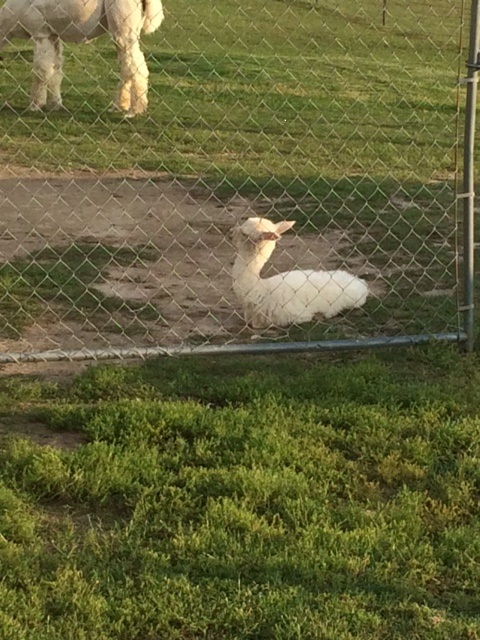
48,22
288,298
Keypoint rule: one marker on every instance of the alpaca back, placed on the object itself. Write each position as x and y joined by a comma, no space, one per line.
153,15
297,296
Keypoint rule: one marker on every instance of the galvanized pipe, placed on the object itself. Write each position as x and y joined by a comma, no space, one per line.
258,348
468,195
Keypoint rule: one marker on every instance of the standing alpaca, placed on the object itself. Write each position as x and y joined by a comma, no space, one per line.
288,298
48,22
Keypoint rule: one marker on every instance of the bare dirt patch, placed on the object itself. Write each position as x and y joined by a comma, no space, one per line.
188,281
20,427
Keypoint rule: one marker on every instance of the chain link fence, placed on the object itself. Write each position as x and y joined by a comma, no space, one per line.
116,232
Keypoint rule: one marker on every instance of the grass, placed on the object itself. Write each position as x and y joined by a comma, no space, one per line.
238,95
321,106
255,498
259,498
65,277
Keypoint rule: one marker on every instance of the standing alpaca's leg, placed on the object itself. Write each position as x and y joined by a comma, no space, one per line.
123,99
134,72
47,73
43,69
55,80
125,21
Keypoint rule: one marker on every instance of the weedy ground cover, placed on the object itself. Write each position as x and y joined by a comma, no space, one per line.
244,498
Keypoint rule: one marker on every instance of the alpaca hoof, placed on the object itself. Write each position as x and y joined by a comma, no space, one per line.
137,108
57,106
115,108
132,113
36,107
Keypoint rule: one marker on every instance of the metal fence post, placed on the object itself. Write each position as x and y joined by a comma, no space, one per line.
473,66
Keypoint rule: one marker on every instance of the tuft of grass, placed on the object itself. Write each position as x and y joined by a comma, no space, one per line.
64,276
288,497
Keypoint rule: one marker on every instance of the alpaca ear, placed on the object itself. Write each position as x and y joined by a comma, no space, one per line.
283,226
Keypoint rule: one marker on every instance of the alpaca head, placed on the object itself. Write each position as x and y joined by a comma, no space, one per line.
257,236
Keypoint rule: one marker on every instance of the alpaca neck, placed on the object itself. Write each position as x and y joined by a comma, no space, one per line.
246,273
247,268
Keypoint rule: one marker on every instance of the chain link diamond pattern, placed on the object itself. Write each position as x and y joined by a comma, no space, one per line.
116,232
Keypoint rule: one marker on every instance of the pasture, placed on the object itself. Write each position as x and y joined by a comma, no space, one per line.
244,499
289,109
308,498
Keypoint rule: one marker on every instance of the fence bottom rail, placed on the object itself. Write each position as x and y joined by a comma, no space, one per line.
58,355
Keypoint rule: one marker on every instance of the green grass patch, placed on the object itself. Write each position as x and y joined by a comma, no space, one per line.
64,276
276,498
245,93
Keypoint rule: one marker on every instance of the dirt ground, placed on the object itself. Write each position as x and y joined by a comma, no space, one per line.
189,283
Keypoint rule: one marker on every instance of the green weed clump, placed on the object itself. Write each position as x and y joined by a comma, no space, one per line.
257,498
65,277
